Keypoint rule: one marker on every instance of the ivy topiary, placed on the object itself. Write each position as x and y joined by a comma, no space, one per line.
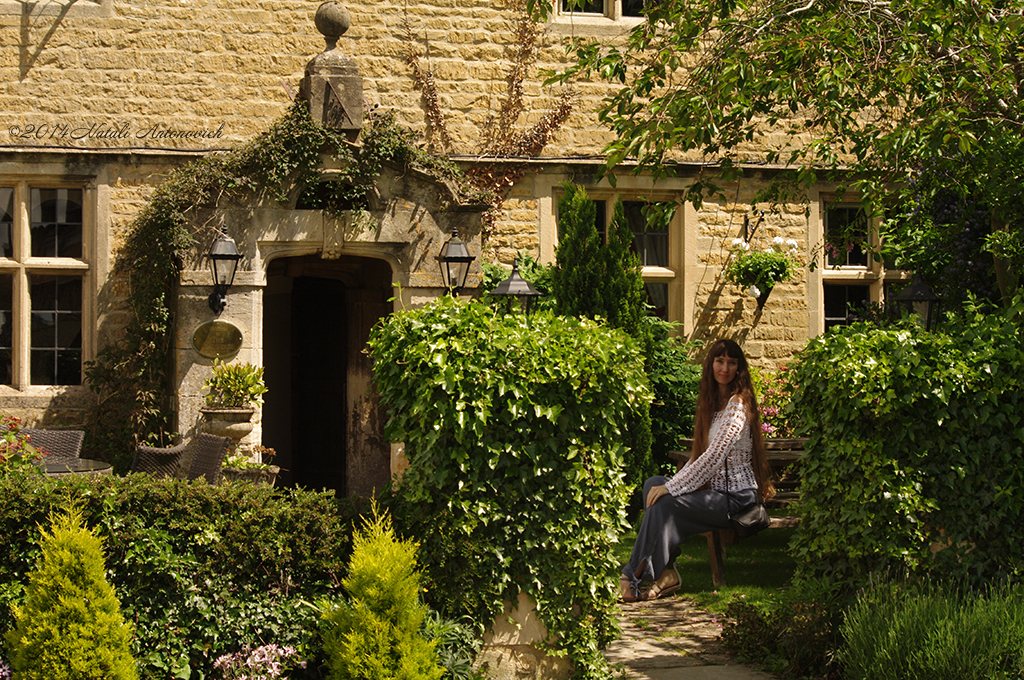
70,626
377,634
913,459
513,431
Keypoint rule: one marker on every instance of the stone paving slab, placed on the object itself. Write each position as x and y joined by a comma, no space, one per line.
673,639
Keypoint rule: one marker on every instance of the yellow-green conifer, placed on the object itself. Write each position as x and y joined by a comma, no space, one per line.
70,625
376,635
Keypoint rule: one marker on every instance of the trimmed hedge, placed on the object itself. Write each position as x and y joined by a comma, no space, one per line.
916,442
200,570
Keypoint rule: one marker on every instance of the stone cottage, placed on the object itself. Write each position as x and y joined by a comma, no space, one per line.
103,98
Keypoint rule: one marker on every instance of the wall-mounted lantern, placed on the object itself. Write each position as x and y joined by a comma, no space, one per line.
515,286
919,298
224,257
454,260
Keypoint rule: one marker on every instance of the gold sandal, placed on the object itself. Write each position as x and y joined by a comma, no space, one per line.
668,582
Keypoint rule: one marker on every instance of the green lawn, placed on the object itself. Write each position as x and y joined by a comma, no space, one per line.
756,567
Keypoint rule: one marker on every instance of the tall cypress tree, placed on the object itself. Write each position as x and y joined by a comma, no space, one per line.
591,279
623,296
578,263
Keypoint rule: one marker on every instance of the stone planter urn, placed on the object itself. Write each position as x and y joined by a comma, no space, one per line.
228,422
267,475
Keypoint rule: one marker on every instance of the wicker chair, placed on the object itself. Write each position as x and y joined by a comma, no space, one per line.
62,445
208,456
159,462
207,451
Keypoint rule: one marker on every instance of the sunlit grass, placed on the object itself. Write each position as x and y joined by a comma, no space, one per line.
756,568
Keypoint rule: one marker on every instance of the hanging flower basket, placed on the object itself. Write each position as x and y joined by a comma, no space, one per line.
759,270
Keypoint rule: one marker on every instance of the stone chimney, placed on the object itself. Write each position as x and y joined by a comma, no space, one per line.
332,85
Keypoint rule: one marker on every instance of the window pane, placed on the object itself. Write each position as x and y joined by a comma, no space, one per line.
632,8
56,356
839,300
657,298
845,229
56,222
650,231
6,331
6,222
584,6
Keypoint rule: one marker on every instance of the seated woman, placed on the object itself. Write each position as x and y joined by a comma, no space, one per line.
727,428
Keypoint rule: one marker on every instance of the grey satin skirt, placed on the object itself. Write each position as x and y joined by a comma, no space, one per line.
671,520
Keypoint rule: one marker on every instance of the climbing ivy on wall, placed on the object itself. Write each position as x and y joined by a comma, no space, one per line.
129,376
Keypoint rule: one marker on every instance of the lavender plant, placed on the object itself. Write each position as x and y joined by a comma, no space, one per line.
774,392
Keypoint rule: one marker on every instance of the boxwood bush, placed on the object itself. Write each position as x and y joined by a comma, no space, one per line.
513,432
200,570
914,459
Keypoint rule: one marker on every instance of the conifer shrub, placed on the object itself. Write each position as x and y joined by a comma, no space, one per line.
578,262
70,626
377,632
622,287
605,280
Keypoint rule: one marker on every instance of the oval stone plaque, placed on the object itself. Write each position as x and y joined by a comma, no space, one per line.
217,339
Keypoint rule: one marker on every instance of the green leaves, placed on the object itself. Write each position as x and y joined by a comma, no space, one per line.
832,85
513,430
235,385
914,449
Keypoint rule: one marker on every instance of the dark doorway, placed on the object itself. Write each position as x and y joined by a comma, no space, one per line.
316,321
318,382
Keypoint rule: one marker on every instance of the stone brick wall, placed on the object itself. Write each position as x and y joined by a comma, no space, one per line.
184,75
774,333
162,74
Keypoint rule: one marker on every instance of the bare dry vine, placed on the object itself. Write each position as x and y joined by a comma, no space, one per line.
504,148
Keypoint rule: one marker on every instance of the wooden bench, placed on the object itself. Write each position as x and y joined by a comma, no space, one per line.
781,454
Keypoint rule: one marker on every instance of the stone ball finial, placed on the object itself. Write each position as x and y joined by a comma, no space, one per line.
332,20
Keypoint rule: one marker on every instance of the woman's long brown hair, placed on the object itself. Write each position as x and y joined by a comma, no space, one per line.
709,402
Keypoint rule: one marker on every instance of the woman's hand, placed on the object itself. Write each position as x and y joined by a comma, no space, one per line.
655,493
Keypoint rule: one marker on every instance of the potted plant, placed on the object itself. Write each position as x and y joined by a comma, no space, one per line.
759,270
252,470
234,390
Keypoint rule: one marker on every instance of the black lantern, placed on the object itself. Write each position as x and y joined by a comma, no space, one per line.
224,257
454,262
515,286
919,297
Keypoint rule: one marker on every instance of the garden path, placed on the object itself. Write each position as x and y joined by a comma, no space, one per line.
673,639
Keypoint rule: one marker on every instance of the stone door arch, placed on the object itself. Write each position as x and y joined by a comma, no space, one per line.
320,414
